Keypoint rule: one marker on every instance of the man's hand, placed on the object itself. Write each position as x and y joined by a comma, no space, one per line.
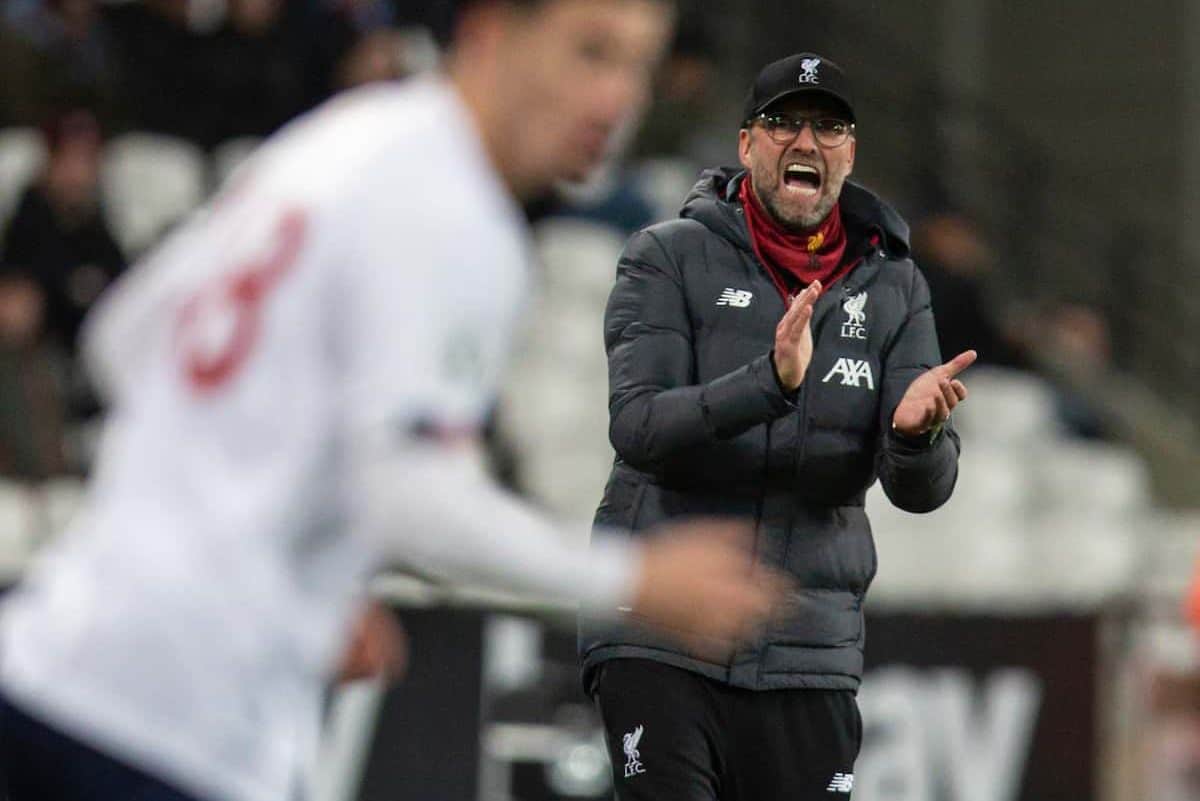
793,339
699,584
932,396
378,647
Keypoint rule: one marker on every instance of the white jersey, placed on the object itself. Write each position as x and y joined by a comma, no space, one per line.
278,368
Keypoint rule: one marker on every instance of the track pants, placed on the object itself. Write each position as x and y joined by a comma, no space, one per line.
674,735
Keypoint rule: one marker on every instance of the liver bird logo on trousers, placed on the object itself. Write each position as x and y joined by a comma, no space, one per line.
633,763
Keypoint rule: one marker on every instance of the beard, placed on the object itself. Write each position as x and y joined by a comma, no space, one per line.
767,188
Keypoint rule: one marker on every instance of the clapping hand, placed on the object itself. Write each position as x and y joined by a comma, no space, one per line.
932,396
793,339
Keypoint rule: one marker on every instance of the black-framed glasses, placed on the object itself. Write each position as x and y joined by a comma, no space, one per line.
783,128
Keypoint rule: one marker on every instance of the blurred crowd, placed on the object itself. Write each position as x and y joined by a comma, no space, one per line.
78,74
206,71
202,81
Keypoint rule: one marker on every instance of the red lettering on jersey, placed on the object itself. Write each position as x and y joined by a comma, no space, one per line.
239,295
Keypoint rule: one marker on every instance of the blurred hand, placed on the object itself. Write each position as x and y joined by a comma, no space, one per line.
22,310
699,584
793,338
932,396
378,647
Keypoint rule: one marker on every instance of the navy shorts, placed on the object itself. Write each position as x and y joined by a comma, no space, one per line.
673,734
40,763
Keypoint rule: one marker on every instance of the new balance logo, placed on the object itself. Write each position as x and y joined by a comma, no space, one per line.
841,783
738,298
852,372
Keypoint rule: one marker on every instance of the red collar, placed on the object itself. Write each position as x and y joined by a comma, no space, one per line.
795,260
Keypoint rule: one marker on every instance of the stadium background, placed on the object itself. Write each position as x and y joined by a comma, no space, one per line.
1027,641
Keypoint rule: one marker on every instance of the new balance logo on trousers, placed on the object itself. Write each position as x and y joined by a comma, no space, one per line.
841,783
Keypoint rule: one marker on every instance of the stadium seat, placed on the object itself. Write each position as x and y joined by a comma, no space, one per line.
1083,562
22,153
18,527
1172,554
948,559
150,182
62,498
1008,407
230,155
557,389
992,481
666,182
1090,479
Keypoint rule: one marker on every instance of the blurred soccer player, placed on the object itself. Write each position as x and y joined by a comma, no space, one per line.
296,379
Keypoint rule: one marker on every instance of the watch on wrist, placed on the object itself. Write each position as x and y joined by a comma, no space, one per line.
927,437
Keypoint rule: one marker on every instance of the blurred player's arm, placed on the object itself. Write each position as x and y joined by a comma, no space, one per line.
424,310
432,505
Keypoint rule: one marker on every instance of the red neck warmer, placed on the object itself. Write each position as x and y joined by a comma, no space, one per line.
795,260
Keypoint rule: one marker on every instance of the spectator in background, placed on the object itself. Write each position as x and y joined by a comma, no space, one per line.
32,382
161,68
957,262
57,53
677,124
256,72
59,233
377,55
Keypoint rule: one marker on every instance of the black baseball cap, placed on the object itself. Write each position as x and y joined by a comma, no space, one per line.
799,74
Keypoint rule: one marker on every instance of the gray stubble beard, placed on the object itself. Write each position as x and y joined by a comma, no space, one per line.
807,222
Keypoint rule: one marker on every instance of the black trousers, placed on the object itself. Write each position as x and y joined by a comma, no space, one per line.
40,763
674,735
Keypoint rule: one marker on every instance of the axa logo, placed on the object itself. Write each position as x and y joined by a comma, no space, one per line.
633,759
841,783
808,67
738,298
852,371
855,326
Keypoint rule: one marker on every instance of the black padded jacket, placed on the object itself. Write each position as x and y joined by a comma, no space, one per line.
701,426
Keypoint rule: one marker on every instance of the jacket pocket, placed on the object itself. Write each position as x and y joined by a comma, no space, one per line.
818,618
622,500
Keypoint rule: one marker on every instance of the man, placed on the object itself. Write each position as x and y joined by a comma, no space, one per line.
770,354
297,377
59,230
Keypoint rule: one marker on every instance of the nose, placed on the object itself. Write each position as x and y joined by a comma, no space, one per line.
806,140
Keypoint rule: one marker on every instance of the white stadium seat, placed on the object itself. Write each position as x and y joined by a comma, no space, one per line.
557,391
1090,479
22,154
1051,522
1084,561
62,498
18,527
149,183
230,155
666,182
1008,407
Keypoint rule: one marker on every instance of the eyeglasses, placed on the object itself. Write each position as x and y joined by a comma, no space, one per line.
783,128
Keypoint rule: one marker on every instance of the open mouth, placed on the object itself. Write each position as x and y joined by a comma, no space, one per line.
802,178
